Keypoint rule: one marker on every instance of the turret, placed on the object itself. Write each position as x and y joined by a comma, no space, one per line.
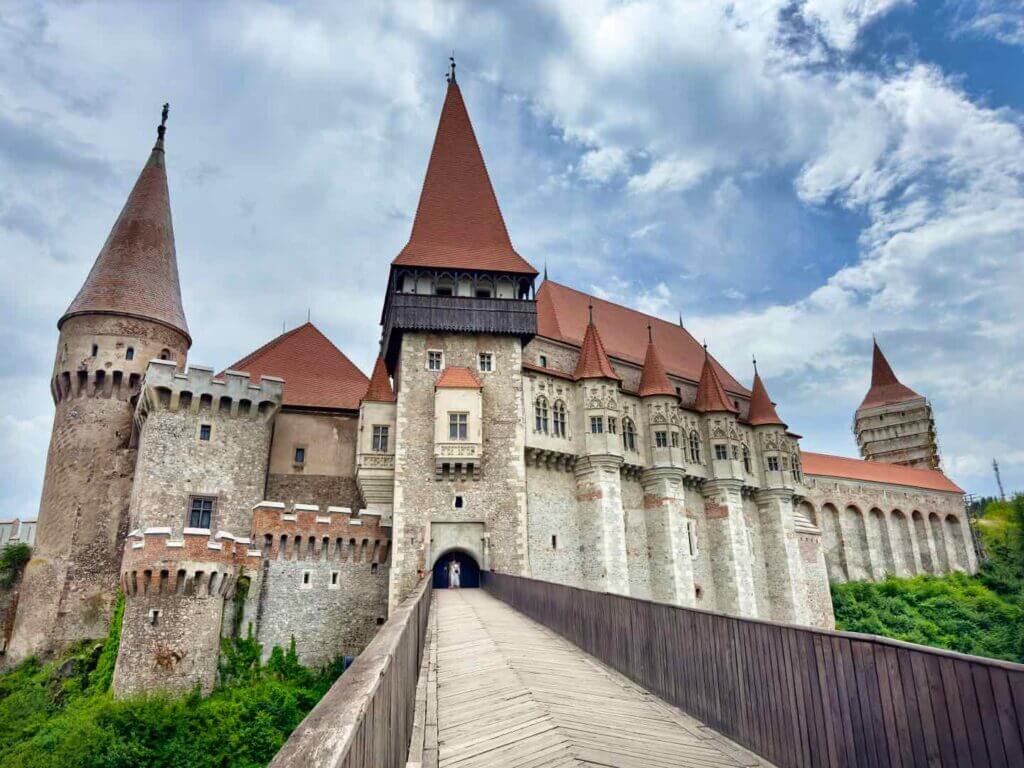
720,415
779,457
666,439
128,312
375,459
894,424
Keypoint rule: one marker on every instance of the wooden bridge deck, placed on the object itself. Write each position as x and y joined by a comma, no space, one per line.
506,691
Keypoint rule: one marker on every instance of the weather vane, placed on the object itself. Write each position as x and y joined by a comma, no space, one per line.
162,128
450,77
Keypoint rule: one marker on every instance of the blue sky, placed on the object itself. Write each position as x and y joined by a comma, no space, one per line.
791,177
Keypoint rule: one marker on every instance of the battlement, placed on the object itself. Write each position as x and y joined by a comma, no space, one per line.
195,564
106,383
305,532
197,390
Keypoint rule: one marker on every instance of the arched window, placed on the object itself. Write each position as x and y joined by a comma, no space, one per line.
628,434
694,447
541,415
558,418
746,460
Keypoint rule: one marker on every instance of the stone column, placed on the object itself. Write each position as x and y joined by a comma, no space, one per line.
602,523
729,547
784,569
668,539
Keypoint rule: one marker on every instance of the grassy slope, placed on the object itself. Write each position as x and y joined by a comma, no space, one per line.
981,614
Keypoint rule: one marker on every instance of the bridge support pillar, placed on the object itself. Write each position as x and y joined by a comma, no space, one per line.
729,547
602,523
668,536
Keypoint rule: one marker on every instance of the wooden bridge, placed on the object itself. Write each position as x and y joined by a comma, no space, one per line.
528,673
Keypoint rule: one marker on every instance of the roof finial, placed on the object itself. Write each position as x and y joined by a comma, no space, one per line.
680,319
162,128
650,335
545,270
451,71
705,345
754,358
309,313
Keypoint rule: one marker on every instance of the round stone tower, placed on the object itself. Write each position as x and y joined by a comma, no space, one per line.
128,312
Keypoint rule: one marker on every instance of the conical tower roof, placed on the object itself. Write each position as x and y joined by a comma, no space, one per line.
380,390
593,362
653,379
711,397
136,272
762,411
885,387
458,222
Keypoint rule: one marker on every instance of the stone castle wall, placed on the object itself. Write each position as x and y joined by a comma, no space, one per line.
327,476
68,588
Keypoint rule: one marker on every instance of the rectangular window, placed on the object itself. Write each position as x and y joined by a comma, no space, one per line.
721,452
543,361
691,531
335,584
205,430
200,512
486,362
380,438
660,439
597,425
129,354
773,463
300,455
735,453
458,426
435,360
675,439
613,425
554,542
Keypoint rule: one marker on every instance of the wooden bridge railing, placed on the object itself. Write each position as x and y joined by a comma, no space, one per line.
365,720
798,696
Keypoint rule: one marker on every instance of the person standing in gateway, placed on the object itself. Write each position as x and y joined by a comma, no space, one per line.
454,572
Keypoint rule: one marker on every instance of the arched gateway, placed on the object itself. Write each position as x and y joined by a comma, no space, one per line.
469,569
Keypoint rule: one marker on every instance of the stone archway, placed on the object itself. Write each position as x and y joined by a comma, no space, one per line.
469,577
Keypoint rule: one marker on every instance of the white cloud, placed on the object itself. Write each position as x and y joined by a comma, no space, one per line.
603,164
1002,20
841,21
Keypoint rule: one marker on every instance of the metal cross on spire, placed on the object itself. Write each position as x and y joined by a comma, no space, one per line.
162,128
450,77
754,358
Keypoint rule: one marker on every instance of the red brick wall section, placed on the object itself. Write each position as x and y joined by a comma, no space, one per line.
336,524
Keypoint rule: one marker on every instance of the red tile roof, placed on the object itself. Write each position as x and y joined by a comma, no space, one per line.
316,374
653,380
762,410
711,397
458,222
380,390
455,377
136,272
885,387
562,315
823,464
593,362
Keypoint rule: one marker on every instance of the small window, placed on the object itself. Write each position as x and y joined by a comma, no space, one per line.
628,435
558,418
443,290
613,425
380,438
596,425
675,439
486,362
746,459
734,449
554,542
459,502
129,354
679,392
200,512
205,430
773,463
95,349
660,439
307,580
300,455
695,447
373,567
154,616
540,415
165,354
334,580
543,361
691,534
458,426
435,360
380,621
483,293
721,452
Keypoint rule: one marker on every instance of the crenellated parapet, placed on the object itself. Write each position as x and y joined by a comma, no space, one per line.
306,532
233,395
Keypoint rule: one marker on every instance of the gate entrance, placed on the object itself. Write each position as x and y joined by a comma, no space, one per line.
469,570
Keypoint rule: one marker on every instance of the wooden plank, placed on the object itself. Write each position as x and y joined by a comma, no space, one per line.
1008,717
989,716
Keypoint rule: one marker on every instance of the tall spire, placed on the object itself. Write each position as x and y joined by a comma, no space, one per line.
136,272
762,411
711,396
593,362
458,222
885,387
380,390
653,379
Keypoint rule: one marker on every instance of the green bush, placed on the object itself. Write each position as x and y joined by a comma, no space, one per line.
981,614
12,559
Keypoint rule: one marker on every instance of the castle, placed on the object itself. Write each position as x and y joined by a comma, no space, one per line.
526,429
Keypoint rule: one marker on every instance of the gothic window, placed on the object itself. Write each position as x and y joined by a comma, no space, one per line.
486,362
435,360
660,439
797,473
458,426
200,512
558,418
773,463
597,425
628,434
746,459
540,411
612,425
129,354
695,447
721,452
380,438
675,439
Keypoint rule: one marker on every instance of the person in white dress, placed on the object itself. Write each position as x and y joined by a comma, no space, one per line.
454,571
